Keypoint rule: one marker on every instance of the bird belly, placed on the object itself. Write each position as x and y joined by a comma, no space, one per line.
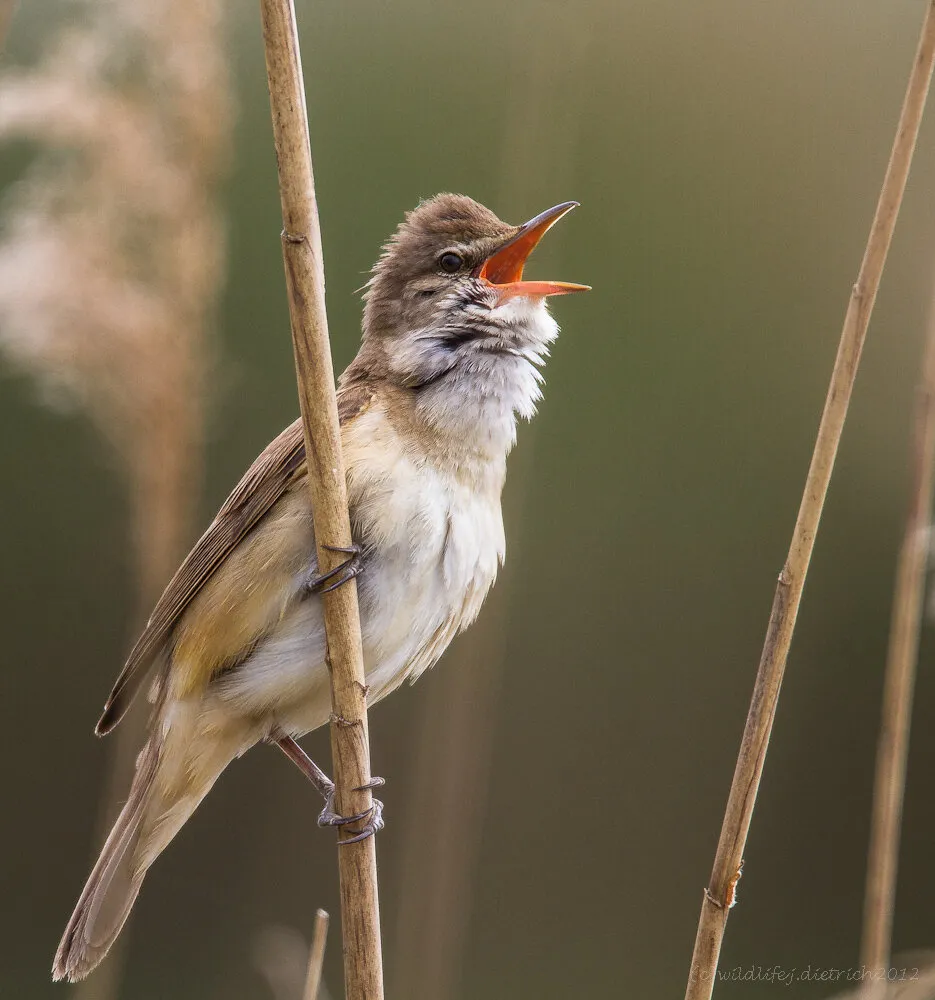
419,591
431,552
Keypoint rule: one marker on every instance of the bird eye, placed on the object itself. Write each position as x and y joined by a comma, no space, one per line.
450,263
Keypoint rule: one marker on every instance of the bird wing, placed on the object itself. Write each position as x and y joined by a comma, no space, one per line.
279,465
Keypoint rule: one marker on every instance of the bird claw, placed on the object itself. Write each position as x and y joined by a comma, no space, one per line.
346,570
373,815
328,817
371,784
373,824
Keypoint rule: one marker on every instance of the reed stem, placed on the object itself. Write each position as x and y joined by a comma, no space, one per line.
899,682
305,286
719,895
316,955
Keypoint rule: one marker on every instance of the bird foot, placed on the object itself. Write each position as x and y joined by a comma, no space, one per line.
373,816
346,570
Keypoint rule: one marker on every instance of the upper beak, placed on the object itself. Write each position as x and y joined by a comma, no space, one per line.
504,268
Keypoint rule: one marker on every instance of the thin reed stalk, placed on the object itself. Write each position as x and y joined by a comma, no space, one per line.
316,955
719,895
305,286
899,682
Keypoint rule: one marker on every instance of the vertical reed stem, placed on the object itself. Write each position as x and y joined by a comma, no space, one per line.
718,897
305,285
316,956
899,682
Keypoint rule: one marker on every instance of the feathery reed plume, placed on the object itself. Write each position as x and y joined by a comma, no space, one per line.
899,682
720,895
112,254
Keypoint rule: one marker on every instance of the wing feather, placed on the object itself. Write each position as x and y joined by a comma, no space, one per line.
278,466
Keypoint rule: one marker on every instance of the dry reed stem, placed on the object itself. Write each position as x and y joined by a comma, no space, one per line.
719,894
305,284
316,955
899,681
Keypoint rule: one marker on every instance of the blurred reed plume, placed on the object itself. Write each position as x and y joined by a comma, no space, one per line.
112,257
112,254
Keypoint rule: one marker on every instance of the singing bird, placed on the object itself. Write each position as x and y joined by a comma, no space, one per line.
453,340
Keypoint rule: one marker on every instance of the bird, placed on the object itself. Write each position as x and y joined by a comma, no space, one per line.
234,653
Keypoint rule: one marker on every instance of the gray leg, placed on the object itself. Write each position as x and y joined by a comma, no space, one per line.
325,786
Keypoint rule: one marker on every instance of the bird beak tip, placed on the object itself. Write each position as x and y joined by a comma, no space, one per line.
504,267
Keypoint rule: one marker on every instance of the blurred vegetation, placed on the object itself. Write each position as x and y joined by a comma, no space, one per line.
727,156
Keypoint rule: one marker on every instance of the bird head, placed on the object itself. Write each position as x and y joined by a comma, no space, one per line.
448,293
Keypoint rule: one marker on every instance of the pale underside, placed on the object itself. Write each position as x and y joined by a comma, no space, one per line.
427,515
431,545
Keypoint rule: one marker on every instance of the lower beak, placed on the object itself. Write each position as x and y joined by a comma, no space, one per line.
503,269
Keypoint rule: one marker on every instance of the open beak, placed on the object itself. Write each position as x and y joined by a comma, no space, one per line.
503,269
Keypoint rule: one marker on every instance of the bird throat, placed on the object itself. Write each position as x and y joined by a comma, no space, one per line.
470,414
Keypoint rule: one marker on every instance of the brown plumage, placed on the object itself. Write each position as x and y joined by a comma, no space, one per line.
452,339
277,469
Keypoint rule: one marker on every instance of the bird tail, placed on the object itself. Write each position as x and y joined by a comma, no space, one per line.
167,787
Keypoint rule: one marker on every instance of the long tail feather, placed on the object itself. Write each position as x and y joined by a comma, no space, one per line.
174,772
115,880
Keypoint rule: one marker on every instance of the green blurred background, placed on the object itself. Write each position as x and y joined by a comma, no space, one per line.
727,156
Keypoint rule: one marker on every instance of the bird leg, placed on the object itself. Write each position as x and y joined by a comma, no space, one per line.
325,786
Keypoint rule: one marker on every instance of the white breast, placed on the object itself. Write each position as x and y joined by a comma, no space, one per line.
434,543
432,547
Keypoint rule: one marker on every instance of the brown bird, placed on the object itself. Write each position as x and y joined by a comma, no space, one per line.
453,339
